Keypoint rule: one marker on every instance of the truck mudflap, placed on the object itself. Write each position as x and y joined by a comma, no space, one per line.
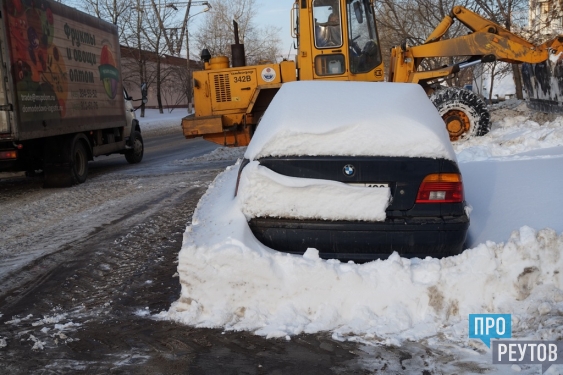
212,129
543,84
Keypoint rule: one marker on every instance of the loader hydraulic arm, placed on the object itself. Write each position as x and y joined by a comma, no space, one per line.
487,41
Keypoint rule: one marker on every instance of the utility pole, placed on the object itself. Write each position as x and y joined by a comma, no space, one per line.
189,68
187,16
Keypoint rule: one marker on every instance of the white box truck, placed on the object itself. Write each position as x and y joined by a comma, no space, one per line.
62,101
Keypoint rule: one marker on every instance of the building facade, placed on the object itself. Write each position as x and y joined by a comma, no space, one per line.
545,18
140,66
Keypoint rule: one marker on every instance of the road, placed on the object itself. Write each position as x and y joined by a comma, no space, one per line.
85,270
160,152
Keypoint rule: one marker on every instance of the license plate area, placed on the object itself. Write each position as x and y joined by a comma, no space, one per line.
369,184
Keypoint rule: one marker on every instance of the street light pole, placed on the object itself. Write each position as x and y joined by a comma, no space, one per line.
189,71
190,80
188,4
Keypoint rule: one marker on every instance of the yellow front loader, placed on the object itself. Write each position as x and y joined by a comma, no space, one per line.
337,40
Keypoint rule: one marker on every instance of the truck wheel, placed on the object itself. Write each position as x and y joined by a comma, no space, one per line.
135,155
464,113
66,161
79,162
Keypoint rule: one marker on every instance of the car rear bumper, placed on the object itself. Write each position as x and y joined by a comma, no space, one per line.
415,237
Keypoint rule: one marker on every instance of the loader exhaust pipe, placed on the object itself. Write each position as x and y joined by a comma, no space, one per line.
237,49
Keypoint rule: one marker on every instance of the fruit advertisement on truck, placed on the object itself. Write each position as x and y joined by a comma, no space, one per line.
65,68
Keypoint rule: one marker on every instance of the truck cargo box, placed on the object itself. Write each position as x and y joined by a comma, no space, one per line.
62,71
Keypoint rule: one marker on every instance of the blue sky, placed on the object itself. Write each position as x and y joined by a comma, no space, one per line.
277,13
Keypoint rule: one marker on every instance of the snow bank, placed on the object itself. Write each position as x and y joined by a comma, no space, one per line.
232,281
351,118
155,123
512,138
264,193
509,174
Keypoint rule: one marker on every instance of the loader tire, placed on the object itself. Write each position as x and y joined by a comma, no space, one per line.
464,113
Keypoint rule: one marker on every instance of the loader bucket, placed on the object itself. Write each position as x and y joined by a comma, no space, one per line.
543,84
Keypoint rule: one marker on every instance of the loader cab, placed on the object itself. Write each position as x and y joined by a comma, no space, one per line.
337,40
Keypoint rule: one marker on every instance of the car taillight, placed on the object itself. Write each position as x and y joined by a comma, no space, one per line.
13,154
441,188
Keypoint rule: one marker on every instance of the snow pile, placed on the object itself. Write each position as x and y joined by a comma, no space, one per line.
350,118
142,312
230,280
509,175
512,137
53,327
264,193
55,319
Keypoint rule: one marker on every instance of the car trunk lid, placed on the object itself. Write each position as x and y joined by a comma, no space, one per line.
403,175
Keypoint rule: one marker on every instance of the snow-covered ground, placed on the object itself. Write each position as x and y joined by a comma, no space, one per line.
512,263
155,123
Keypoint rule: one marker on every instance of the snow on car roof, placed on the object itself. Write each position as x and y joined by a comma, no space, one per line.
312,118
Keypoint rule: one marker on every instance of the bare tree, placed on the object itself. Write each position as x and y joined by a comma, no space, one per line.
544,17
143,26
487,75
174,89
155,32
508,14
148,41
411,21
128,15
217,34
136,58
114,11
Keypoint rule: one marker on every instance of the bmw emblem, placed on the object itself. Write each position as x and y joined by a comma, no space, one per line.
349,170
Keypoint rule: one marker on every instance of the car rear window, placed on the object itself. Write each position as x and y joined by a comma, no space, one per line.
351,119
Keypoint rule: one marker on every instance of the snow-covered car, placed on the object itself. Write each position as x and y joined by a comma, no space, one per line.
356,170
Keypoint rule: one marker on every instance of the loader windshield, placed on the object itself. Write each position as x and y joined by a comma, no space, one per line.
365,53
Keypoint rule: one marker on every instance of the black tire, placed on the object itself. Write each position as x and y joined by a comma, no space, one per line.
79,162
66,162
465,114
135,154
